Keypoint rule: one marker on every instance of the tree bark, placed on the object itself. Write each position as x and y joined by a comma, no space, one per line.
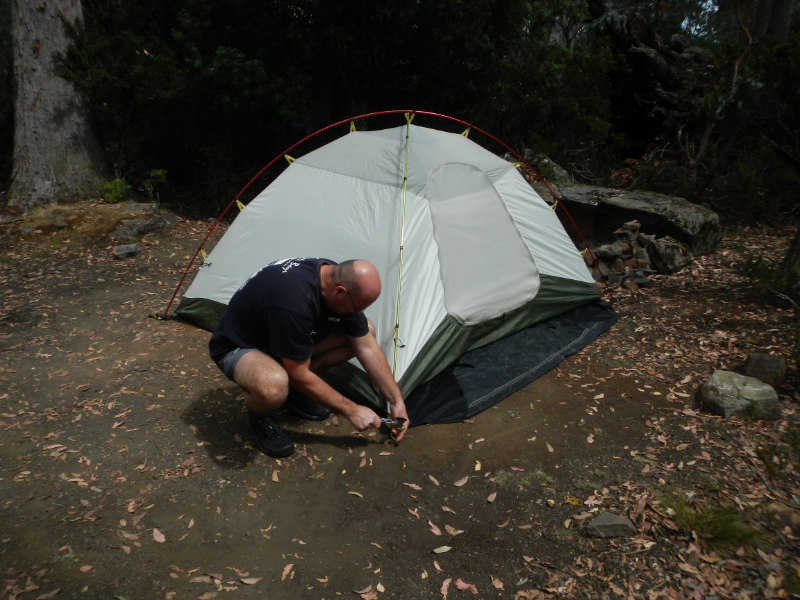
774,19
791,267
56,156
780,19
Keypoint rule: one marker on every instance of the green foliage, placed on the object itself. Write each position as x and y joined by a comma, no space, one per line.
155,181
719,527
116,190
762,272
212,92
209,92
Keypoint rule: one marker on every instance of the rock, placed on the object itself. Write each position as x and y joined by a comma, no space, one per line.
727,393
608,252
126,250
641,258
133,229
639,277
669,256
663,216
768,368
607,525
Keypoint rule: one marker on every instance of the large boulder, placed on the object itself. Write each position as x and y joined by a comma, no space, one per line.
727,393
597,211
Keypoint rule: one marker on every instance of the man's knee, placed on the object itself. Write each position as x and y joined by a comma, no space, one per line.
263,376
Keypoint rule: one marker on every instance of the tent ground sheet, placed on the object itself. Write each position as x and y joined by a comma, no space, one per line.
484,376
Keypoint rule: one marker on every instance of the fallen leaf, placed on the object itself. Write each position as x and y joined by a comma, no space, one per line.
250,580
356,494
549,447
448,509
369,596
492,497
437,567
445,588
462,585
286,570
86,568
434,529
413,512
442,549
433,479
275,476
158,536
498,585
461,481
616,589
413,486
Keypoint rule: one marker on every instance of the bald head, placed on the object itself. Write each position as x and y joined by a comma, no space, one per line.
360,278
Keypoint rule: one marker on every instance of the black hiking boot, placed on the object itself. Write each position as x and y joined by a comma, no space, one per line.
270,438
304,407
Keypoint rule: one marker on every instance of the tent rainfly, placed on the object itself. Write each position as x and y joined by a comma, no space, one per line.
468,252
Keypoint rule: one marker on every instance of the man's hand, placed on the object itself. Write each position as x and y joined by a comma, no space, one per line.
398,410
363,418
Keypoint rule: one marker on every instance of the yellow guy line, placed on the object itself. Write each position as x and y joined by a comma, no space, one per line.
409,118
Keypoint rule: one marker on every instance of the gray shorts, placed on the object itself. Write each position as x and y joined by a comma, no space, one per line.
227,364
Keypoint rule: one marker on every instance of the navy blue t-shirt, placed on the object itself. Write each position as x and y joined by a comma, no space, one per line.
280,312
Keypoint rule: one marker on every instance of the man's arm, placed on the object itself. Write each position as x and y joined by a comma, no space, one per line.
368,352
312,385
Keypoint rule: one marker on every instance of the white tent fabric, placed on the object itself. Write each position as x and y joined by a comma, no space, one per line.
475,237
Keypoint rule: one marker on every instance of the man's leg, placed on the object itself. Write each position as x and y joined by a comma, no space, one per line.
263,380
333,350
266,385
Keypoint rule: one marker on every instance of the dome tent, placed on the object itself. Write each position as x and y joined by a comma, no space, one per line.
469,254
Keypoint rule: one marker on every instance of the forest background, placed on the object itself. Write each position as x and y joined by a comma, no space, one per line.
190,98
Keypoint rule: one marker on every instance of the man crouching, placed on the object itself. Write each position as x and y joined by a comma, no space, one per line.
289,322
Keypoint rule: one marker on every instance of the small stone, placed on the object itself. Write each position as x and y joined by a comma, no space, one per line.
126,250
607,525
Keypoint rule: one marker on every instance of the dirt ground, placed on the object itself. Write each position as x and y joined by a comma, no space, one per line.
127,471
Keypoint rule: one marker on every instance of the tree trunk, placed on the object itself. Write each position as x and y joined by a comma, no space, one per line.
56,156
791,267
780,19
774,19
